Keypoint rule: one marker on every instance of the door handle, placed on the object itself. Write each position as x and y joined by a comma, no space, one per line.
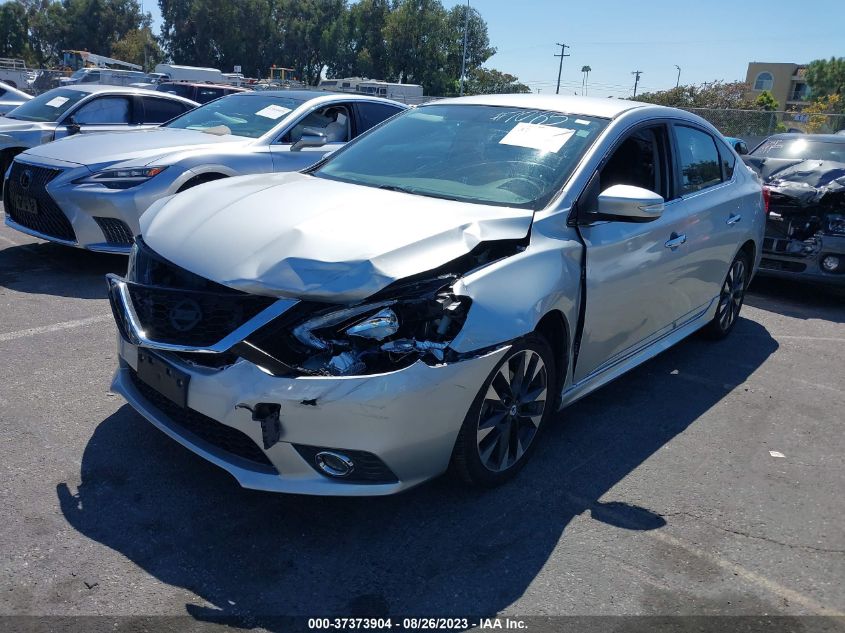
675,241
733,218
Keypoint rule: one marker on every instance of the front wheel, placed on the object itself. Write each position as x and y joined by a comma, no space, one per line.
500,430
731,298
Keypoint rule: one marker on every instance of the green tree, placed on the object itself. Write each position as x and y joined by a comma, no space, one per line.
478,41
14,31
713,94
826,76
417,42
364,48
766,102
139,47
492,81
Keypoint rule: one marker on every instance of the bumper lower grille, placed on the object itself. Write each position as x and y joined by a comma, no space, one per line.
116,232
49,219
219,435
779,264
369,469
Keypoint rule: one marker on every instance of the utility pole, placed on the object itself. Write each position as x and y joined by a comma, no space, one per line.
562,54
636,74
678,82
464,60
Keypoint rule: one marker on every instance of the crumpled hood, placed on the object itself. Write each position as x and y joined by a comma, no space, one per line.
300,236
139,146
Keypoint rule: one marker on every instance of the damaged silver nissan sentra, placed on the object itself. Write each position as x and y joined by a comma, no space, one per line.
431,293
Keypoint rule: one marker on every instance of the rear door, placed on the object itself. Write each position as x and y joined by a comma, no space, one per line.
709,195
634,270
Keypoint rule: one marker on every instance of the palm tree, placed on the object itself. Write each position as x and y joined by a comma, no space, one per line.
586,70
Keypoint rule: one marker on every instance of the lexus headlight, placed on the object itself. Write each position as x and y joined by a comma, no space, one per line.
122,178
371,338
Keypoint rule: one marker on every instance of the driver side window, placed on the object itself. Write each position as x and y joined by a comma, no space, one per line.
639,161
104,111
333,121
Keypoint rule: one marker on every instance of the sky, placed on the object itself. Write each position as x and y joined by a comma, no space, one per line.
709,41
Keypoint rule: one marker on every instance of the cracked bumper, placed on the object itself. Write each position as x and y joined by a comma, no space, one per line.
409,418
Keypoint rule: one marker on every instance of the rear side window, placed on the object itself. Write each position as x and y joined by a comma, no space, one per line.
728,162
161,110
371,114
204,95
698,159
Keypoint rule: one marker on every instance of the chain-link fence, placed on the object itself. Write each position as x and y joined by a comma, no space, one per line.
755,125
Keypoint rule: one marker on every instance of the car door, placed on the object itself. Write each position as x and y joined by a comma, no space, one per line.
634,270
709,195
105,113
335,120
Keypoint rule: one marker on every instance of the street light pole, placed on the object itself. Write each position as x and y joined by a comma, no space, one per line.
678,82
464,60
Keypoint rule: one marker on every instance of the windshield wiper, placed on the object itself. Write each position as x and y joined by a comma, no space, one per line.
397,188
420,192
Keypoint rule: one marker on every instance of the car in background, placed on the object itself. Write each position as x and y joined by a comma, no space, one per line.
433,292
90,192
199,92
103,76
740,146
11,98
83,110
804,183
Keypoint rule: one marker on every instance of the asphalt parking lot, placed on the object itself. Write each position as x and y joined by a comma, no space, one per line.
657,495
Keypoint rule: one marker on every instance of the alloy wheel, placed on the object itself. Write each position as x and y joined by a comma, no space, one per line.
732,295
512,410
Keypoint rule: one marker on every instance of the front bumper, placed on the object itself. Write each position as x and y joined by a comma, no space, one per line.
409,418
102,220
806,267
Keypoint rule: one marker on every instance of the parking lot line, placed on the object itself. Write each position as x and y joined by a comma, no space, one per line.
44,329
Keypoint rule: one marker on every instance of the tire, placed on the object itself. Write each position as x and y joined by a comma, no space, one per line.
491,447
731,298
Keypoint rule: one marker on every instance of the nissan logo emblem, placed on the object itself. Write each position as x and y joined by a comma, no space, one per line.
185,315
26,179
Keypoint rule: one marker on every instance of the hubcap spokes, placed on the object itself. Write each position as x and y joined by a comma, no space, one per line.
512,410
733,292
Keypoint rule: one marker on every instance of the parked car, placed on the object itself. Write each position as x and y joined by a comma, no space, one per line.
433,292
11,98
103,77
90,192
199,92
83,110
804,182
740,146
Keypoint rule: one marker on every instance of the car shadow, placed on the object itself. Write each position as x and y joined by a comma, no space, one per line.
62,271
438,549
797,299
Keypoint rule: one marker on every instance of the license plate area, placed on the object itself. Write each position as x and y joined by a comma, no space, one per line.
26,204
164,377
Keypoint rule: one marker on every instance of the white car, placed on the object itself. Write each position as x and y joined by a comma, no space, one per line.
432,292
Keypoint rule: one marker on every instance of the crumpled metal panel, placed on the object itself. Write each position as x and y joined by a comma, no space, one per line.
293,235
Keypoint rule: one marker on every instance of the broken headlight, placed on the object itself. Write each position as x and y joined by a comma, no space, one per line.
371,338
836,224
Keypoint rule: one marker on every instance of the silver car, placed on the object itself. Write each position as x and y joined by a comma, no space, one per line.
64,112
434,291
90,192
11,98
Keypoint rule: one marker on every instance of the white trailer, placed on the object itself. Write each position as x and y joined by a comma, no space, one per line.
195,74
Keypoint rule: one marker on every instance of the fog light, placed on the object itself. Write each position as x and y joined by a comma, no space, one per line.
334,464
830,263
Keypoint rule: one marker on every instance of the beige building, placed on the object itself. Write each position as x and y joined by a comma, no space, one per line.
785,82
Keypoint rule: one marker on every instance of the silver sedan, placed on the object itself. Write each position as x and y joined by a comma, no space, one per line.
90,192
434,291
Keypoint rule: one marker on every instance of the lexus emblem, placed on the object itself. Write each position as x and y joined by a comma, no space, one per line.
185,315
26,179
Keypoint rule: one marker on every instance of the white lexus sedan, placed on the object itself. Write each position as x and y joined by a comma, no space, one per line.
430,295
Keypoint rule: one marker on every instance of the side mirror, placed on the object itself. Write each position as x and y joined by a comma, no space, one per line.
73,127
741,148
626,202
309,138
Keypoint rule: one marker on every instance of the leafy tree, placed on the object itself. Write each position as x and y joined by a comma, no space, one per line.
766,102
14,31
492,81
417,45
826,77
715,94
821,109
364,48
478,41
139,47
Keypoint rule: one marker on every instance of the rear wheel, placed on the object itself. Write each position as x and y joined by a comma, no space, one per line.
500,430
731,298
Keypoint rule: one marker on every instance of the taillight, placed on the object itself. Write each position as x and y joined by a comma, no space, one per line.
767,196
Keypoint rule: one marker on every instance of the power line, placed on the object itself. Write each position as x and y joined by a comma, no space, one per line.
562,54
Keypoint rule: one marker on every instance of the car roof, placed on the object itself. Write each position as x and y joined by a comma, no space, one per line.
201,84
322,95
825,138
122,90
588,106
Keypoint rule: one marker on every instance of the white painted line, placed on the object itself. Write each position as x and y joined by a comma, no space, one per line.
776,454
832,339
56,327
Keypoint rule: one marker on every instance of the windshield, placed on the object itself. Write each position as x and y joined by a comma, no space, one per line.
50,106
481,154
801,148
247,115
